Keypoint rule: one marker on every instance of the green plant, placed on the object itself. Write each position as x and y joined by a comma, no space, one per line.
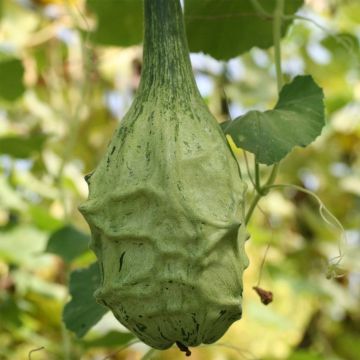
63,91
166,203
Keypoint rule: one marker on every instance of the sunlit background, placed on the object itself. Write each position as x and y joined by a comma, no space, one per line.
61,97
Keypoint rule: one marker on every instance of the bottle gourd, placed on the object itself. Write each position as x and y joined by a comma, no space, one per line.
166,203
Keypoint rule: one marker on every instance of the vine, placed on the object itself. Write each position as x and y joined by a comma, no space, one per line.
329,218
261,190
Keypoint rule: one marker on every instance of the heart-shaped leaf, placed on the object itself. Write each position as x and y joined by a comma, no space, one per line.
296,120
83,312
68,242
227,28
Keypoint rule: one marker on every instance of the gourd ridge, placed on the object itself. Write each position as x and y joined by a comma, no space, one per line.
166,203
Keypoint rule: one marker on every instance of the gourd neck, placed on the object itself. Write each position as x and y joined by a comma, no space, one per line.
166,62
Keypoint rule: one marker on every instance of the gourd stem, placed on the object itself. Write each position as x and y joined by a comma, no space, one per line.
166,55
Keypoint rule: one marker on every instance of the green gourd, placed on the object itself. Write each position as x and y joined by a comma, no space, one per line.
166,203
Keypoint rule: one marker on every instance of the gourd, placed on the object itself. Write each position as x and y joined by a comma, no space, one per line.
166,203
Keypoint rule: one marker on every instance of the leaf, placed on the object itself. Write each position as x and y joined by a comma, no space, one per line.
227,28
83,312
68,242
215,27
297,120
111,339
347,344
21,244
10,312
225,124
10,197
21,147
11,79
42,218
305,355
119,22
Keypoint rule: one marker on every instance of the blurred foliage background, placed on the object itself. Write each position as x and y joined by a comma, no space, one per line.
61,97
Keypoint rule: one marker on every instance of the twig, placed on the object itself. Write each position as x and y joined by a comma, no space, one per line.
34,350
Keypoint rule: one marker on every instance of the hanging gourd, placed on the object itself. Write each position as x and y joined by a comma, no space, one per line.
166,203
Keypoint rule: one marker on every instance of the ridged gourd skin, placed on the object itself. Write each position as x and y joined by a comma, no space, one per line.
166,202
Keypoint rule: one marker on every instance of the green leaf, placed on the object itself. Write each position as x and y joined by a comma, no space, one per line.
347,344
68,242
227,28
119,22
83,312
111,339
42,218
297,120
305,355
11,79
10,197
225,124
21,244
215,27
21,147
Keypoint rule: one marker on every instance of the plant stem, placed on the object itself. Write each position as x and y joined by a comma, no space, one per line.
257,176
271,178
66,342
324,212
253,205
263,190
248,170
